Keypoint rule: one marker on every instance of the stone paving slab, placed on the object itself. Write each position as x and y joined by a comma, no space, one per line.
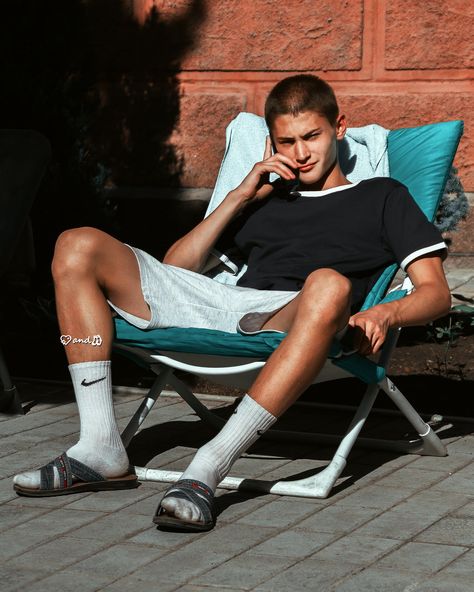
395,522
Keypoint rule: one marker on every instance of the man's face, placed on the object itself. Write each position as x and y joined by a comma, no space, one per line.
311,141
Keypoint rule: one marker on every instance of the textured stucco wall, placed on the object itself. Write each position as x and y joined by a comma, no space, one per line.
397,63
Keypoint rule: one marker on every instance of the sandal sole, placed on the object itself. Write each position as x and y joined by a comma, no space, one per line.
175,523
129,482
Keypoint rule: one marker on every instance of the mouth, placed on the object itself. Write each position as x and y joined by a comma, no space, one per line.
306,167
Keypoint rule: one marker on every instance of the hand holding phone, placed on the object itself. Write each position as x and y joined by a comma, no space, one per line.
256,184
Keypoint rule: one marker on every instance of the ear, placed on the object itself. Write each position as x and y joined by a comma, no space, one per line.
341,127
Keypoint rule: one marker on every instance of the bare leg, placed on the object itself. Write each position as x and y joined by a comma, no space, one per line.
312,319
88,267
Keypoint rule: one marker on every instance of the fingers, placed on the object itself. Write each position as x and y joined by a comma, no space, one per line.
268,148
368,335
277,156
283,171
275,166
285,159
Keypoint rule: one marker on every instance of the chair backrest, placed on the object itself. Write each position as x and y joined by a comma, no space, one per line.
421,158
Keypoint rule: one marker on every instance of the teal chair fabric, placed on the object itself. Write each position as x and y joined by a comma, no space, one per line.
420,157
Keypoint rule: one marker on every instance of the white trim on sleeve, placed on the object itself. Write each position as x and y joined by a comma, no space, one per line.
409,258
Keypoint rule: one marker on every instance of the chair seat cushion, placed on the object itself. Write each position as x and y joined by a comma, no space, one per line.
202,341
220,343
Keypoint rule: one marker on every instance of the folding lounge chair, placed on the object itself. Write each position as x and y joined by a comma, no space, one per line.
419,157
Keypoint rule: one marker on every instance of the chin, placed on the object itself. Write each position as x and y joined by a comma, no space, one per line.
309,179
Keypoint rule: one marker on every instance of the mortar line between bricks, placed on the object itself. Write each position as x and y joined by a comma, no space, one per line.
346,493
66,567
439,520
468,550
34,444
46,511
278,532
55,437
108,512
335,540
402,543
51,538
55,571
344,534
433,484
468,462
68,415
48,423
103,548
423,576
73,413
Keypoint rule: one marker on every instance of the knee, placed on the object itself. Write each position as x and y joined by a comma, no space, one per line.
74,251
329,288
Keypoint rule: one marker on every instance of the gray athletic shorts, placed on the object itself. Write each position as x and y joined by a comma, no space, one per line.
181,298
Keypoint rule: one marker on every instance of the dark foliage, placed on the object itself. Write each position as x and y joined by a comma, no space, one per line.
103,89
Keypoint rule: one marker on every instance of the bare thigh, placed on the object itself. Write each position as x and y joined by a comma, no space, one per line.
119,275
325,292
114,265
283,319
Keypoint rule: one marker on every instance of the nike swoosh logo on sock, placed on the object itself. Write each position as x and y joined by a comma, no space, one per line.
84,383
260,432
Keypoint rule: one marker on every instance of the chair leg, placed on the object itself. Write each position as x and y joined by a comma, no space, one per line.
201,410
146,405
316,486
430,444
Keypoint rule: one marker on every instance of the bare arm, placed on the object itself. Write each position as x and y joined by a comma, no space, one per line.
192,250
430,300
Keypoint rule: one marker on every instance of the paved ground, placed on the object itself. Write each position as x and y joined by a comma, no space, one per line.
394,523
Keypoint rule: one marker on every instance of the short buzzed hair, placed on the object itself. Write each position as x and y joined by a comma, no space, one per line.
300,93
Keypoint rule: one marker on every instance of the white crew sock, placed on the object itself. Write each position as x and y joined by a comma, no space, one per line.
213,461
100,445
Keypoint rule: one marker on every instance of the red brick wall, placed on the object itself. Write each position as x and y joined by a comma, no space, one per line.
397,63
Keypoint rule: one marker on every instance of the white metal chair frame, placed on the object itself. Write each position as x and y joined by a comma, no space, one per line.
241,372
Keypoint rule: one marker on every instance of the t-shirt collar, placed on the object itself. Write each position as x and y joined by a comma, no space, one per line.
326,191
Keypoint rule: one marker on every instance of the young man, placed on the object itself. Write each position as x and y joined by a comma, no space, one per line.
312,257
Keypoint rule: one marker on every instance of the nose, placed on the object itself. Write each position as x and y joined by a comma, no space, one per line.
302,152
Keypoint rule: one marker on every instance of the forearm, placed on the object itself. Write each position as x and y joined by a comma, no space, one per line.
427,303
192,250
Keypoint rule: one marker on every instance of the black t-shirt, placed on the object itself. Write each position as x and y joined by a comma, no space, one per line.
358,230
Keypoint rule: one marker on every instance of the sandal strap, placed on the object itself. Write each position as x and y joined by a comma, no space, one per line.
83,472
67,468
47,476
196,492
64,470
